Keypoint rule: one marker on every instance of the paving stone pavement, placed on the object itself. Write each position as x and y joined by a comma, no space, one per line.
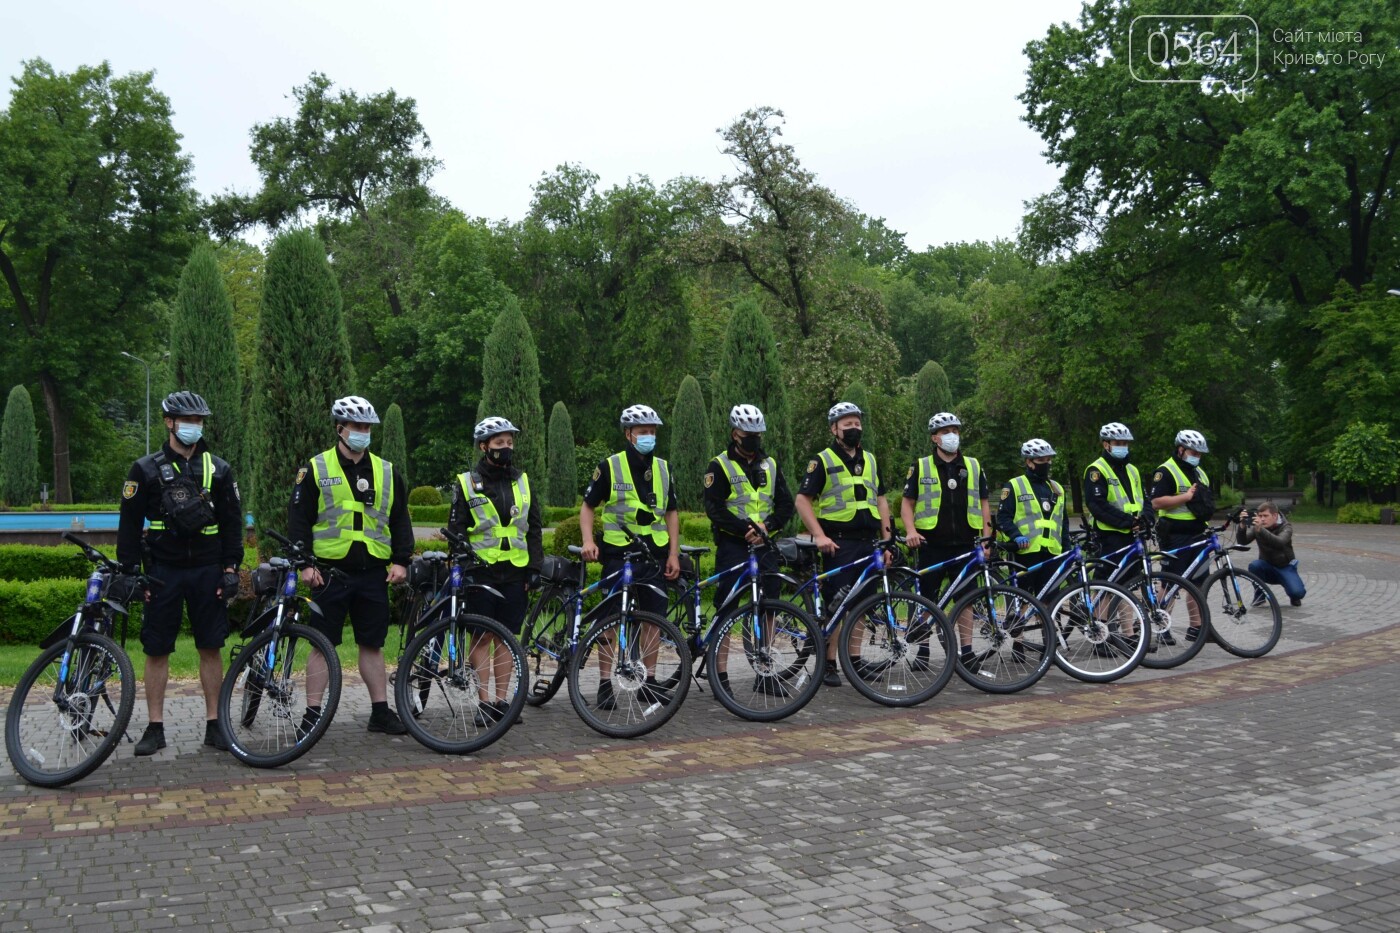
1227,795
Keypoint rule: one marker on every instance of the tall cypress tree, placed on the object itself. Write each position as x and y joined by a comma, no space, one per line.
931,395
750,372
392,444
19,450
510,387
302,366
563,474
689,444
204,354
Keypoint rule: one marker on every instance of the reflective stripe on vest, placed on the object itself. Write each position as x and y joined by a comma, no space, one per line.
1129,501
623,503
491,540
335,531
929,498
837,502
746,501
207,481
1180,512
1031,522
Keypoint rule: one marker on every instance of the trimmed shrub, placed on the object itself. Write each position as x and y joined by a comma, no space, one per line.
429,514
562,488
19,450
29,611
424,495
566,532
25,562
1363,513
553,515
697,531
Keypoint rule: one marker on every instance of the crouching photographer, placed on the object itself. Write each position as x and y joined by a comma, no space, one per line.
1267,527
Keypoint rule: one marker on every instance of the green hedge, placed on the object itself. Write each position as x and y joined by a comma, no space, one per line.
43,562
553,515
424,495
566,532
67,507
429,514
29,611
1364,513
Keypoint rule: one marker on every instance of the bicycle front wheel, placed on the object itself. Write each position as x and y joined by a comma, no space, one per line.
1174,608
1101,634
1245,616
474,670
545,639
630,674
763,661
897,648
69,710
279,695
1010,637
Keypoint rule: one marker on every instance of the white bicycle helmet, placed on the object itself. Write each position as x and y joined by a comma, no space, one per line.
944,419
634,415
1035,447
1115,431
354,408
747,418
1193,439
488,428
841,410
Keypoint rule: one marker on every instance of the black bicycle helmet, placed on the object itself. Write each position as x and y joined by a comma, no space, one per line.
185,403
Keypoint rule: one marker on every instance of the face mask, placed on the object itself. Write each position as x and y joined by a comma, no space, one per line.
1119,453
1041,471
851,437
501,456
749,445
357,440
950,443
645,443
189,434
1193,460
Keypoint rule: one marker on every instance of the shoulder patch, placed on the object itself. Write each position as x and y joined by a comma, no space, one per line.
1093,476
910,474
301,475
597,472
709,480
235,492
811,466
1006,492
129,489
1156,476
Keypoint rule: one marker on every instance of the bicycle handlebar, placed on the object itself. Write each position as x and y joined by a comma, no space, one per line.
97,557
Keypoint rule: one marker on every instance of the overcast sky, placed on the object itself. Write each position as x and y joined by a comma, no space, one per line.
908,110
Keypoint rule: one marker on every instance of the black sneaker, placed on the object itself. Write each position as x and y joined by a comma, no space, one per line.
214,736
309,718
1167,639
1193,633
487,715
970,660
655,692
1295,600
770,685
152,740
831,678
921,662
606,701
1018,652
387,722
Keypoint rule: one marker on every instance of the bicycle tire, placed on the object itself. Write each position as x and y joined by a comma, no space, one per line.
1011,636
455,720
1238,625
1102,641
906,654
34,716
279,729
1169,613
545,639
637,707
770,673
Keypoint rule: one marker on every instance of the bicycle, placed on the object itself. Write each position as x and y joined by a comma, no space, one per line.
1009,631
71,707
471,662
1173,604
775,642
642,658
1100,631
1232,595
894,644
283,682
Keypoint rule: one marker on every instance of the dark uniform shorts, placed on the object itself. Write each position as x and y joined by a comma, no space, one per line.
365,597
192,587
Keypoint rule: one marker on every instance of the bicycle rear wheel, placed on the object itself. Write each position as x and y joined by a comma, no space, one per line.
1245,616
764,666
1101,633
1011,637
545,639
264,703
897,648
616,676
475,672
1173,606
63,723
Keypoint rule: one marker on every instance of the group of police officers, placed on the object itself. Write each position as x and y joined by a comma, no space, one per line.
181,515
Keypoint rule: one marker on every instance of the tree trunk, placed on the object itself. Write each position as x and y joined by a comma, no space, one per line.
58,420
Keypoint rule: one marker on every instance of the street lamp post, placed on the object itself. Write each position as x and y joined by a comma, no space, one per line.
148,396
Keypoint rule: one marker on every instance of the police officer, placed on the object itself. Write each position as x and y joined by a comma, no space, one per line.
841,501
1113,492
1182,495
194,546
353,507
494,507
1032,514
631,487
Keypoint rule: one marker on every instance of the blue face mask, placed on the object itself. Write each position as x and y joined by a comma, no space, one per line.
1119,453
357,440
1192,459
645,443
189,434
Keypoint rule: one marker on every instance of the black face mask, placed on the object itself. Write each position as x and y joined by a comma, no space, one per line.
1041,471
749,445
851,437
500,456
